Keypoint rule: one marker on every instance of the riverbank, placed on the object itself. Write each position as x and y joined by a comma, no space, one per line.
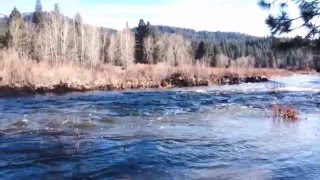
24,77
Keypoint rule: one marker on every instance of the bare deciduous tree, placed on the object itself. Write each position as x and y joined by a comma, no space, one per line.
127,45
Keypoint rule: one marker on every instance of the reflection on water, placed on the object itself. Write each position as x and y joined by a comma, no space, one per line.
193,133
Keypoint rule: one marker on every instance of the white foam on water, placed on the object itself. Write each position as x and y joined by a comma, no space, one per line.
295,83
297,89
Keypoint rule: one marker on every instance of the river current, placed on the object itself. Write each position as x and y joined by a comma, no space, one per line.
221,132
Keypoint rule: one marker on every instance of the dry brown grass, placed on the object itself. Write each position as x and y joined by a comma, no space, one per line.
20,73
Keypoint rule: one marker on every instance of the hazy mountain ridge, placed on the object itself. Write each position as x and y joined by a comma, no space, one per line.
206,36
190,34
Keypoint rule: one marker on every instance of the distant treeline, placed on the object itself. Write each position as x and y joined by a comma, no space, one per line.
229,49
51,36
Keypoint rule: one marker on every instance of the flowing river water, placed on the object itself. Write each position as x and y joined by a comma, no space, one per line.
225,132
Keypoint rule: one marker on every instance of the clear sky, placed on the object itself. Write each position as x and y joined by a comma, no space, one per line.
214,15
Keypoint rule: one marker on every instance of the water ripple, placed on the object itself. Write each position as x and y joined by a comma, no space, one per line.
190,133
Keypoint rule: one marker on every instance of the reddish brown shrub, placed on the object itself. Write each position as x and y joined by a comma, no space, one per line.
290,113
287,113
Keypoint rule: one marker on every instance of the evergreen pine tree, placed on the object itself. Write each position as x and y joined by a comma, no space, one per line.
37,13
56,8
15,37
201,51
141,32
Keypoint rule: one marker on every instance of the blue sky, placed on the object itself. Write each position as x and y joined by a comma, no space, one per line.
214,15
125,2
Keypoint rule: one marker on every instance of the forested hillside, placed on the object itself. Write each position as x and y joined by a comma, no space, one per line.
51,36
236,49
205,36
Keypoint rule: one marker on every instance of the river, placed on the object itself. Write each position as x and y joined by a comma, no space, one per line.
222,132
